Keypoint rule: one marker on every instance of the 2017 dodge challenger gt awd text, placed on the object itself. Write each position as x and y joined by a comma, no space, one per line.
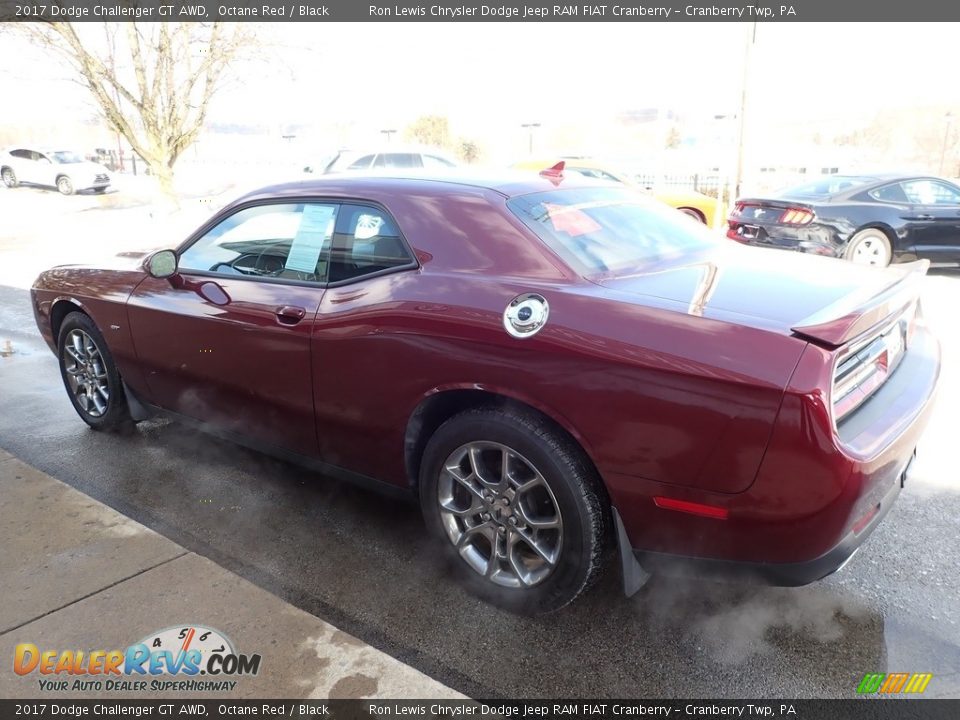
558,368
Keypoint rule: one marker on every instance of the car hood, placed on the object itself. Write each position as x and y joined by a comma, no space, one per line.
85,168
770,289
670,196
127,261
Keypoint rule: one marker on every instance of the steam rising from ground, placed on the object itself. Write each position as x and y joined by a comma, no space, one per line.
736,623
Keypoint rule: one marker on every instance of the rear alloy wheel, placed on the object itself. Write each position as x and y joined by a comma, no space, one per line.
500,514
65,185
90,375
516,507
9,178
869,247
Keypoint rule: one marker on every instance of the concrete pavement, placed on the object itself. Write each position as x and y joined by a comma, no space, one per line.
79,575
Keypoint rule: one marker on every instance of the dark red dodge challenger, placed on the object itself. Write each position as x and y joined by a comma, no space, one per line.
556,367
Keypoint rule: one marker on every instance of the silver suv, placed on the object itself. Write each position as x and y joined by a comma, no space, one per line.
394,158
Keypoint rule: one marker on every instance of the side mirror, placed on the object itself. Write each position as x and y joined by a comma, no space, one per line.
162,264
308,169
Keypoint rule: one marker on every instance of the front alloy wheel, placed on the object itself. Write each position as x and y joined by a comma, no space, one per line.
65,185
500,514
90,375
86,373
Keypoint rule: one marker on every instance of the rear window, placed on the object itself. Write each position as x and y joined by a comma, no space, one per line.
603,231
398,160
825,186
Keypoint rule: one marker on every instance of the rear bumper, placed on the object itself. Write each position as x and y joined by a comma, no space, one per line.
791,574
814,238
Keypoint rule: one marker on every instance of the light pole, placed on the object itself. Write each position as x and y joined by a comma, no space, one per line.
946,134
531,127
747,54
388,133
724,179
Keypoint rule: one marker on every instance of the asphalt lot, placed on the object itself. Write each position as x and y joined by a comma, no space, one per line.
363,563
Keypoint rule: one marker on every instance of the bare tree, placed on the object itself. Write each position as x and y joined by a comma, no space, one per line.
152,82
673,138
468,150
429,130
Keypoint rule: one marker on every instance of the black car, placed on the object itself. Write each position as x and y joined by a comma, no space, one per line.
869,219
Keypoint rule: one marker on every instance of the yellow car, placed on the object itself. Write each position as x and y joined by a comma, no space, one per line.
697,205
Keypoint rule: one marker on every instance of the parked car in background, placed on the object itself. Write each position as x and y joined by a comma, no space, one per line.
556,367
396,157
868,219
67,171
700,207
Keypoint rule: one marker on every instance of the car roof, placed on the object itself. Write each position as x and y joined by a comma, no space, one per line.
866,183
45,149
509,183
876,180
394,149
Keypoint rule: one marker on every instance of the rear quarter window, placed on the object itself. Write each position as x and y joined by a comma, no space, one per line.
892,193
603,231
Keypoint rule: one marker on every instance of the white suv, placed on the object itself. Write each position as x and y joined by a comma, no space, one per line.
67,171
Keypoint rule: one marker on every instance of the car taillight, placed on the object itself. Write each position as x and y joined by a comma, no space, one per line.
732,233
862,370
796,216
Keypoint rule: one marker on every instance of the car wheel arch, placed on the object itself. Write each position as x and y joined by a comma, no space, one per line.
441,404
62,307
693,212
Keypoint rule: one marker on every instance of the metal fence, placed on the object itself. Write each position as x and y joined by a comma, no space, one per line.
706,183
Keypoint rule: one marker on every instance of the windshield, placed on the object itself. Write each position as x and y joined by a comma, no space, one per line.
606,230
66,157
824,187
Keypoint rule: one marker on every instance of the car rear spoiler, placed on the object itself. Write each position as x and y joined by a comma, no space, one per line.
859,312
774,202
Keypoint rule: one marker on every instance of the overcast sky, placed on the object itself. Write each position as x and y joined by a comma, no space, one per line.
482,73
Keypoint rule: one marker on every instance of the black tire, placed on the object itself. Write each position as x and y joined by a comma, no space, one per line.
115,415
65,185
574,486
869,247
694,213
9,177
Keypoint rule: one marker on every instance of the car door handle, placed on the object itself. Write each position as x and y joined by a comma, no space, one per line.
924,217
290,314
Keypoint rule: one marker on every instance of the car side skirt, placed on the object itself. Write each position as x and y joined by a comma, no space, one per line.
309,463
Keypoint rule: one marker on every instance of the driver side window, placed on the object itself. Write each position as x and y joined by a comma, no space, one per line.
286,241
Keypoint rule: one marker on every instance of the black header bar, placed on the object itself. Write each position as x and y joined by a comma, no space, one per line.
852,11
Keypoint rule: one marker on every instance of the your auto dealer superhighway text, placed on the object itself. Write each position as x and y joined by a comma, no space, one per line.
588,11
